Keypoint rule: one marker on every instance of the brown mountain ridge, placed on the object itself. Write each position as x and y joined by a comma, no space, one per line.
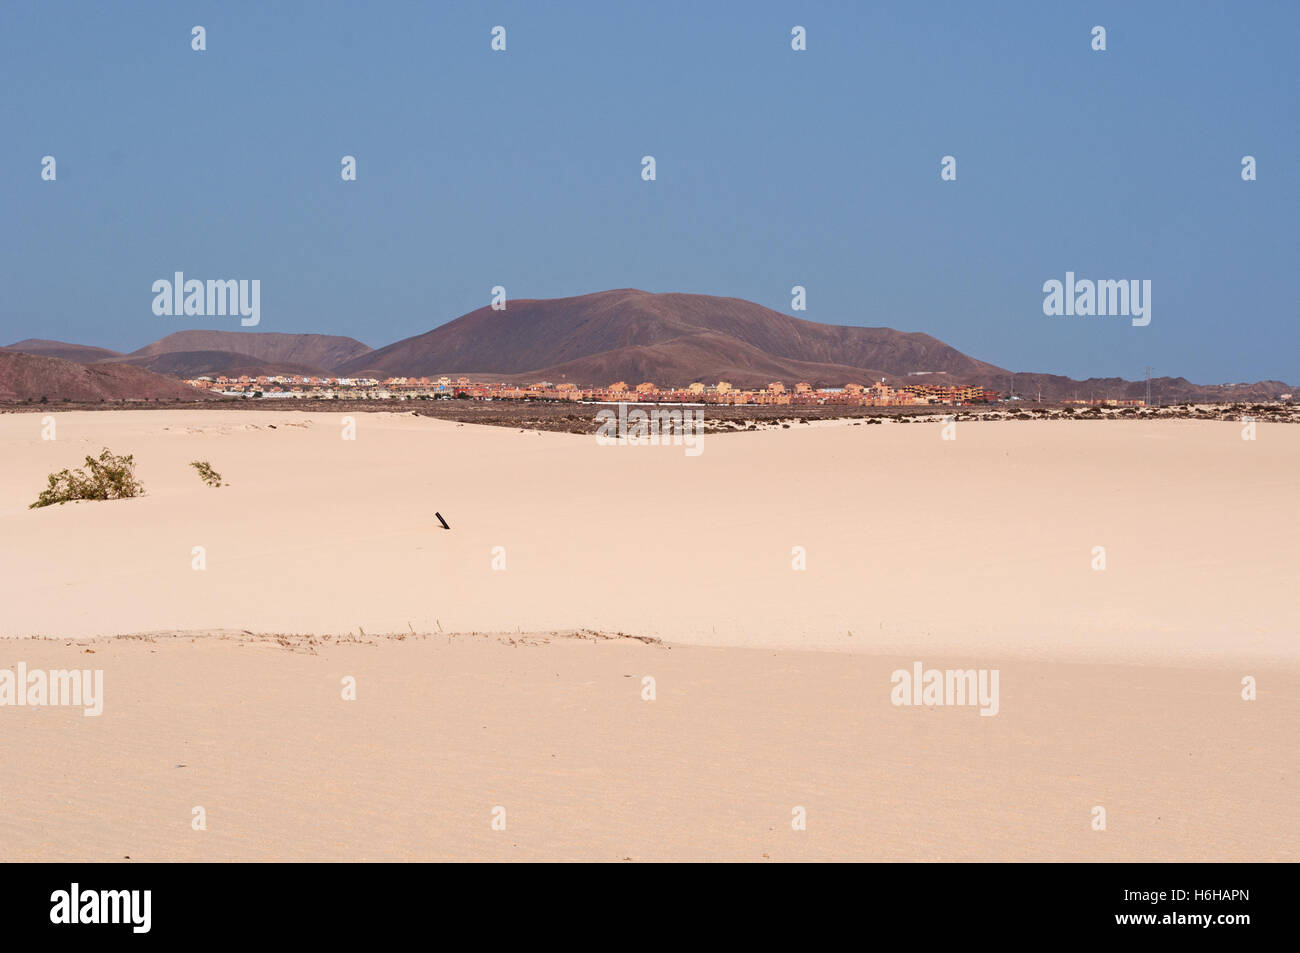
626,334
667,338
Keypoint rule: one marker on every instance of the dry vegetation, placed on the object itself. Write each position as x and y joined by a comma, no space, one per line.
107,477
567,417
208,475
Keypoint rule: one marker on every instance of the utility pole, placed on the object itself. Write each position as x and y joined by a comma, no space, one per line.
1148,402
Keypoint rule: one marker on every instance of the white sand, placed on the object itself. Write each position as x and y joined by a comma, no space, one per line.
911,541
442,731
1119,687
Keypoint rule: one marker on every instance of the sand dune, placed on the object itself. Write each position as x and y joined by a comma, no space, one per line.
1119,688
910,541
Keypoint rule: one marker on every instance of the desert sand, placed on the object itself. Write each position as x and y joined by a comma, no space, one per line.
1120,687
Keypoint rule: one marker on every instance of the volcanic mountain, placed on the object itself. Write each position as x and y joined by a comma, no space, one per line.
32,377
634,336
666,338
677,339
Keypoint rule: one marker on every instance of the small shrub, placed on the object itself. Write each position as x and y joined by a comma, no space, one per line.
107,478
208,475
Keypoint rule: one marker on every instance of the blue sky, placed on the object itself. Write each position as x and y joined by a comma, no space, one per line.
775,168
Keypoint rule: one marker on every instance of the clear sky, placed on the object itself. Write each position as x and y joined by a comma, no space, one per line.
774,167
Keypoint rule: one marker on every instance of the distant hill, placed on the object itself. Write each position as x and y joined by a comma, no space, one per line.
32,377
321,352
188,354
667,338
633,336
80,353
1167,390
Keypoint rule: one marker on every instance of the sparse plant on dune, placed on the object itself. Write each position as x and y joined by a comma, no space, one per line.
208,475
108,477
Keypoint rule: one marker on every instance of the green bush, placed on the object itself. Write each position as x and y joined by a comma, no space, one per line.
107,478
